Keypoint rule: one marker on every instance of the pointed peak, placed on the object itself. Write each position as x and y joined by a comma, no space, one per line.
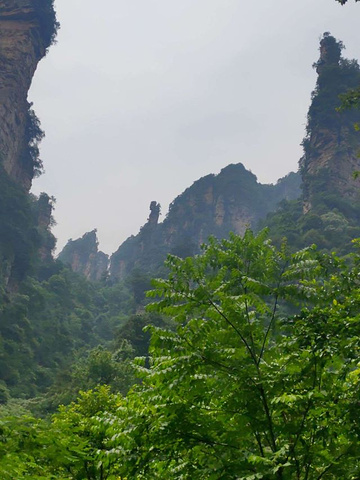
330,52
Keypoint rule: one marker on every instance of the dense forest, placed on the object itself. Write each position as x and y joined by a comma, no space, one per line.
222,343
256,376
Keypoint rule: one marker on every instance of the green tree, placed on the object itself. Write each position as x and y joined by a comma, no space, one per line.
260,380
30,449
67,448
81,423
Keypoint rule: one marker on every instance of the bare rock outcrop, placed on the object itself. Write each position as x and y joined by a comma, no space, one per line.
332,145
27,28
233,200
84,257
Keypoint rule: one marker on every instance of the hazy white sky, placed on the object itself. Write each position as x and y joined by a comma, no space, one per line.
140,98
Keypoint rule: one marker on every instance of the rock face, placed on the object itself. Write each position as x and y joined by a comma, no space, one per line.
234,200
331,148
214,205
328,214
154,213
27,28
43,209
83,256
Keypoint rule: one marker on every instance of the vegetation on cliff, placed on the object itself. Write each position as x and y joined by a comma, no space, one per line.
46,15
83,256
25,236
214,205
246,364
328,213
30,159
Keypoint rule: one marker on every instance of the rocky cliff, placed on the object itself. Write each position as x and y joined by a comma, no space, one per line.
42,213
328,214
84,257
332,144
233,200
27,28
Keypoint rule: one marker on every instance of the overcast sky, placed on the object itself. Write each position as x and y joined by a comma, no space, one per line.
140,98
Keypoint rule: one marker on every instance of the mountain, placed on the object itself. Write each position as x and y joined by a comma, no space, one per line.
233,200
83,256
27,29
326,210
51,317
328,213
332,144
214,205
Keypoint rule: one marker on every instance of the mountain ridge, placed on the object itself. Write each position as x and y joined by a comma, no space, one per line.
213,205
233,200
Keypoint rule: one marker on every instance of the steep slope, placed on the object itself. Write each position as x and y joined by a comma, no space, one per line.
332,145
213,205
328,214
27,29
83,256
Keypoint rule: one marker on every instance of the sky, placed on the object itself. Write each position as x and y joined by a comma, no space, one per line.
140,98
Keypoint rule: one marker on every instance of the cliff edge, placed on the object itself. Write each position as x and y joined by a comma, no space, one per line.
27,29
332,144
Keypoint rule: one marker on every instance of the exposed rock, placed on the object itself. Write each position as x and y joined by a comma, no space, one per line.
27,28
43,207
154,213
213,205
331,148
328,214
83,256
24,38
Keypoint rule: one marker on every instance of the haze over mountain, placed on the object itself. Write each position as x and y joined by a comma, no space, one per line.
237,358
163,93
234,201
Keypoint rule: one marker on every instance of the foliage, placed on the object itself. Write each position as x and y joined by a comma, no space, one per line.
89,369
82,420
336,75
211,206
67,448
33,136
41,327
350,99
18,235
46,15
134,331
332,223
28,449
260,379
